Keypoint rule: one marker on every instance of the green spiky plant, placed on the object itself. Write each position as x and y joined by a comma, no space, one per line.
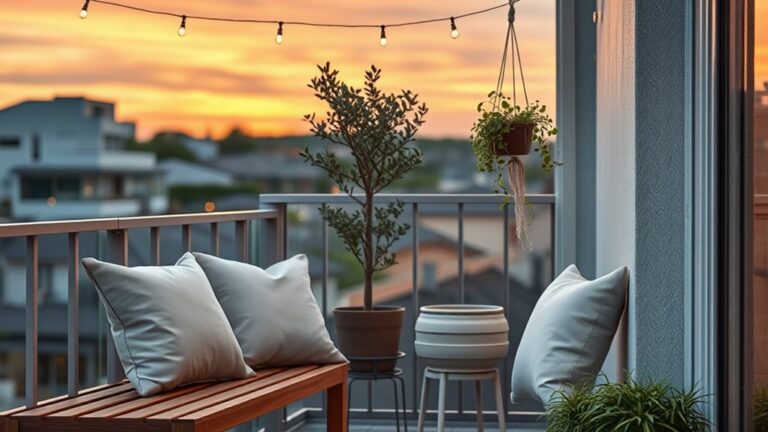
377,128
628,407
760,408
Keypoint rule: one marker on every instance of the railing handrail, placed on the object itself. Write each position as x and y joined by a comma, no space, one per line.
105,224
116,230
406,198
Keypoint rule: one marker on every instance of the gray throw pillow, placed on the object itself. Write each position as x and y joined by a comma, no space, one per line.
168,328
568,336
273,312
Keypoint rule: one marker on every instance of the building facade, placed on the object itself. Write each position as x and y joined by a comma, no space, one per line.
65,158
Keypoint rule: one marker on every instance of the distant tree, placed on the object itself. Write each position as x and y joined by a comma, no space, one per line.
164,146
238,141
184,194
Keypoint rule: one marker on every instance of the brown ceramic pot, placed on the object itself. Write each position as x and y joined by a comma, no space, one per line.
375,333
516,142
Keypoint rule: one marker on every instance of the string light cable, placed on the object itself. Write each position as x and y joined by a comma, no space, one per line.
280,23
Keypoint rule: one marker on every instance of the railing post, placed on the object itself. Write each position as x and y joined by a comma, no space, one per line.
117,248
215,241
415,299
186,238
241,240
154,244
273,238
31,391
73,315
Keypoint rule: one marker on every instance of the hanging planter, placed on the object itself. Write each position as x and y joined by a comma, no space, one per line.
507,131
516,142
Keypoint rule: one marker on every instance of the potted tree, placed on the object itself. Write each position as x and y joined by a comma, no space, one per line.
504,132
376,128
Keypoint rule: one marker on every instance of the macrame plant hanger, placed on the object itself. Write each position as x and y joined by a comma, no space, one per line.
515,166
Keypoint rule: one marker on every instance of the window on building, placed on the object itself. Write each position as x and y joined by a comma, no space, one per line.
45,187
114,142
67,188
10,142
97,111
36,147
36,187
118,187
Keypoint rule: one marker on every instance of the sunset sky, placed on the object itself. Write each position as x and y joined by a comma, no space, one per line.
222,74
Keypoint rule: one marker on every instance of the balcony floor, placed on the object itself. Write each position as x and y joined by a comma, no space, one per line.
373,426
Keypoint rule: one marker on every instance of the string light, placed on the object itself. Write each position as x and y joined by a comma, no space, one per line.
183,26
84,10
279,37
383,39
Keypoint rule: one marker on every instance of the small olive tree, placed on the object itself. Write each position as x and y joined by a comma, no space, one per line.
377,128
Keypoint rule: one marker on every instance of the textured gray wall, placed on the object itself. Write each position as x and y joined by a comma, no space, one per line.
641,160
661,188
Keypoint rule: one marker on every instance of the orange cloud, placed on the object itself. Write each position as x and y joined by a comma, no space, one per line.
224,74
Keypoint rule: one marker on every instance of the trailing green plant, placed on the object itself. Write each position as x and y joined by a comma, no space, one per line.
627,407
760,409
497,115
377,128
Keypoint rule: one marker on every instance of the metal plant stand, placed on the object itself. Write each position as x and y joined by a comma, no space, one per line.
445,375
394,375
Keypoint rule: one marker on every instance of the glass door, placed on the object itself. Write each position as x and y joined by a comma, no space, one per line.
760,219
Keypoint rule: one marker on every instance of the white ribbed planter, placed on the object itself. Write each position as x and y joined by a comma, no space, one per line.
462,336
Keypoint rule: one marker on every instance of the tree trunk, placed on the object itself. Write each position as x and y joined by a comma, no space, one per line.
368,253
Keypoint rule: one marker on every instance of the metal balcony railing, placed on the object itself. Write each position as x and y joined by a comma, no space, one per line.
117,232
420,207
265,236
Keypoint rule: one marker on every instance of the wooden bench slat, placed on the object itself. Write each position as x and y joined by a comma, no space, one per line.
229,394
87,398
52,400
95,406
106,414
203,407
68,425
254,404
138,412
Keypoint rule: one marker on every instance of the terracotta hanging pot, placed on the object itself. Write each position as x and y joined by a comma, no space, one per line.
516,142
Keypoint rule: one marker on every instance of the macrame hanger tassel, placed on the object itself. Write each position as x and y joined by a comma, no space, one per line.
516,178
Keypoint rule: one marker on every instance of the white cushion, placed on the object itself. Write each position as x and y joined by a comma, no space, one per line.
168,328
568,336
273,312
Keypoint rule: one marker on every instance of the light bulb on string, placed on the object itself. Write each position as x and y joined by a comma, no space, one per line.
383,40
279,36
183,26
84,10
454,30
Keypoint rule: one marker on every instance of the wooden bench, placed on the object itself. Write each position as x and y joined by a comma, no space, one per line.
215,406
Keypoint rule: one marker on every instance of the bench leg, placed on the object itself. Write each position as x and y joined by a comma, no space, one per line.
337,408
